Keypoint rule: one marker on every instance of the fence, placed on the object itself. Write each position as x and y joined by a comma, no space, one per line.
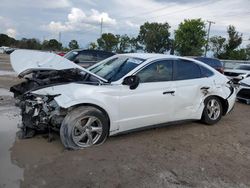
230,64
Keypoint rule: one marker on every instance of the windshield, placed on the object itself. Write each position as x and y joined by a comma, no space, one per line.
243,67
115,68
71,55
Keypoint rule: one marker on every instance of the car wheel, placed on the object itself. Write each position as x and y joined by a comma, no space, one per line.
212,111
83,127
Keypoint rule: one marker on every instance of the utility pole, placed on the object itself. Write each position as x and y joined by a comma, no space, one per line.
208,32
101,26
59,37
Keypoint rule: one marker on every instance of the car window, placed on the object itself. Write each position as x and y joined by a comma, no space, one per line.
185,70
206,72
85,56
115,68
157,72
103,55
71,55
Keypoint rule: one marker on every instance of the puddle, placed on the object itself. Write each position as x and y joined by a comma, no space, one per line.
10,174
7,73
5,92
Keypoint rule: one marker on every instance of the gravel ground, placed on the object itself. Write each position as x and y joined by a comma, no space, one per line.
182,155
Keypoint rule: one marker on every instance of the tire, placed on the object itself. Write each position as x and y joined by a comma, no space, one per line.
83,127
212,112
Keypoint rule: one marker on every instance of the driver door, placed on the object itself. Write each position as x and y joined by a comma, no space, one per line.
152,102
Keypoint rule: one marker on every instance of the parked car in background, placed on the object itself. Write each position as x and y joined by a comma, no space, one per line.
213,62
61,53
119,94
86,58
244,91
238,73
9,50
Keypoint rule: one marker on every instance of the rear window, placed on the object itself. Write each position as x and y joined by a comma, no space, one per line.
185,70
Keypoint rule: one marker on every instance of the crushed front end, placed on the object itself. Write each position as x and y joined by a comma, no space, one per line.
39,114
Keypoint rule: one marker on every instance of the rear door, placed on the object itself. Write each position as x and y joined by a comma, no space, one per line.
191,85
153,101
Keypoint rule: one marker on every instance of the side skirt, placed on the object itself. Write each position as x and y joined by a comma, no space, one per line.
115,133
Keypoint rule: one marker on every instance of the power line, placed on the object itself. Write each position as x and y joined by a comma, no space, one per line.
143,13
177,11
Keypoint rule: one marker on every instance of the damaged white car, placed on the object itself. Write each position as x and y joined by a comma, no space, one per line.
122,93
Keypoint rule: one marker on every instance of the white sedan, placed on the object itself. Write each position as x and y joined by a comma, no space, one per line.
122,93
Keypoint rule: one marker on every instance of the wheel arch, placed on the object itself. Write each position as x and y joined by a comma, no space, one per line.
224,103
92,105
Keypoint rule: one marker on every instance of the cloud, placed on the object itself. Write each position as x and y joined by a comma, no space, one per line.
11,32
79,20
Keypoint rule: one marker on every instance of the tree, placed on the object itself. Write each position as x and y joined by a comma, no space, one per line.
33,44
5,40
234,39
52,44
108,42
217,44
124,43
73,44
190,37
92,46
231,48
134,45
154,37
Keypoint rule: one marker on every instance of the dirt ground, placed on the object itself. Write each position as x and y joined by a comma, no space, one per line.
182,155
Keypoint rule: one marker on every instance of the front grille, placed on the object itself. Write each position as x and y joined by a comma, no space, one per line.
244,93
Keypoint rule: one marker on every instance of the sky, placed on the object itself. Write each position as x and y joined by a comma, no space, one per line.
81,19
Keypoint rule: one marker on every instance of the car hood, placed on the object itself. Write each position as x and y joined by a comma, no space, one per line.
26,61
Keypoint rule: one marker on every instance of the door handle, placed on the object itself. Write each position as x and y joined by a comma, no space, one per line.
205,88
168,92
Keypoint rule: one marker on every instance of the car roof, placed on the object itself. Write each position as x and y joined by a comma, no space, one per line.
89,50
149,55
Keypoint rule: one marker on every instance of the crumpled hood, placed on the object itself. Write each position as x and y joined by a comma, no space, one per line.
26,61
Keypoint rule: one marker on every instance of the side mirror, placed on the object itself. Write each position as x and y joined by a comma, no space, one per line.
132,81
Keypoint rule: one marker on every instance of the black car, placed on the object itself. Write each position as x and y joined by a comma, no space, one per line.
215,63
86,58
